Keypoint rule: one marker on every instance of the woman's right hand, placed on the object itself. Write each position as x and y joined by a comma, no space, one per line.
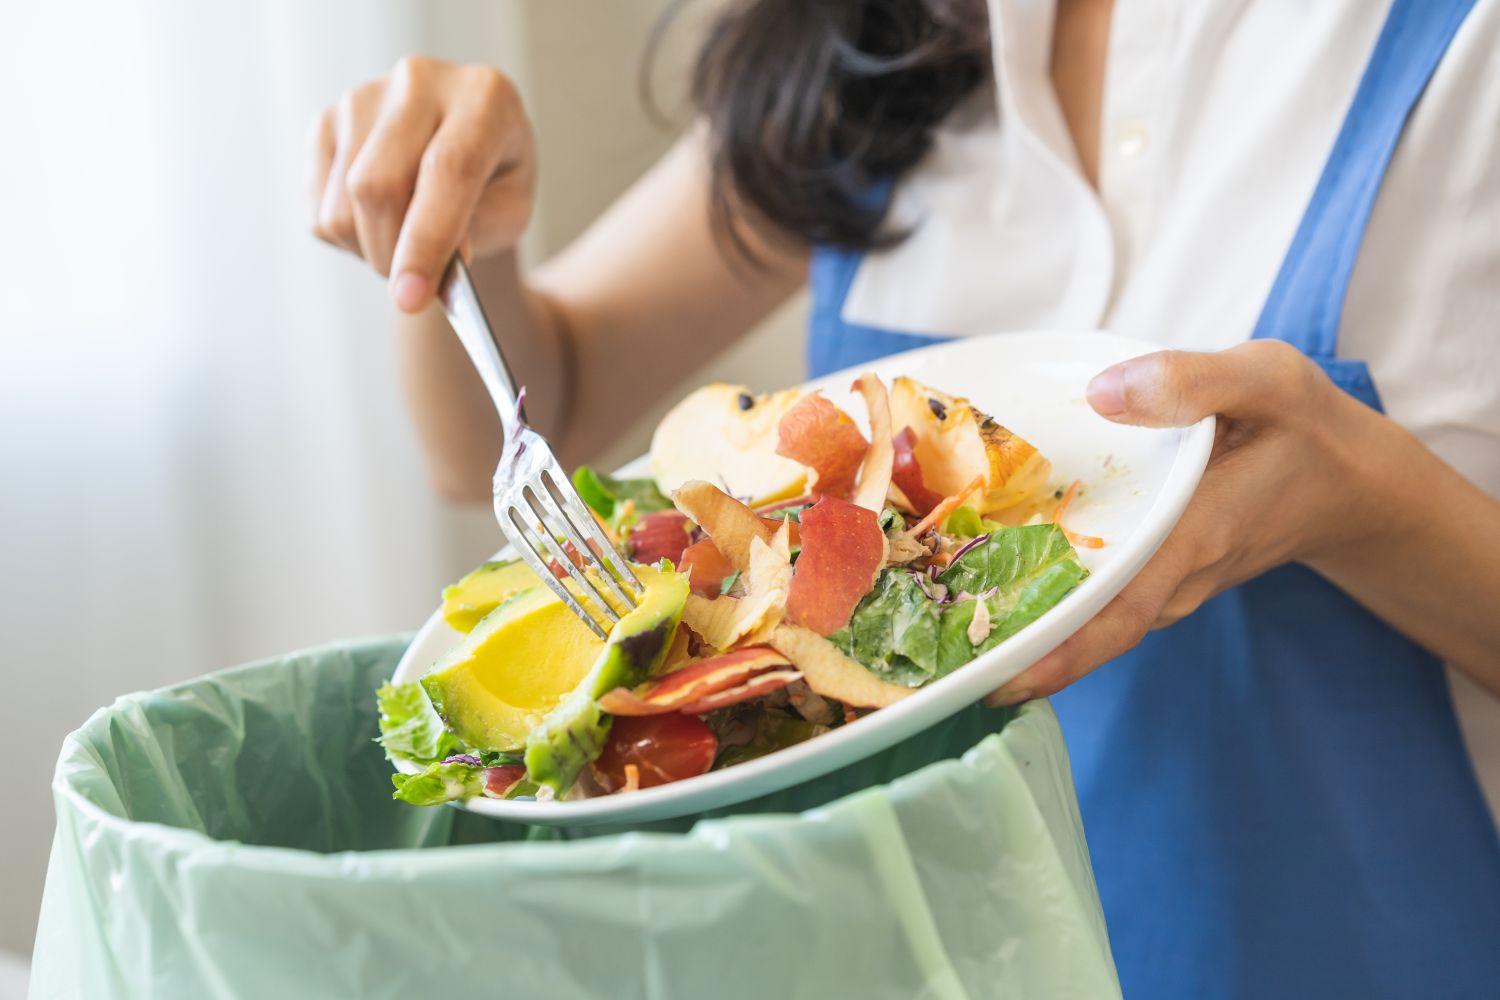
430,159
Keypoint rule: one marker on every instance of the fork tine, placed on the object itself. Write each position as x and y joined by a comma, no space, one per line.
556,497
621,567
521,537
549,534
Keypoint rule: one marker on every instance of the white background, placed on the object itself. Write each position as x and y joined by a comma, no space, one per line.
202,455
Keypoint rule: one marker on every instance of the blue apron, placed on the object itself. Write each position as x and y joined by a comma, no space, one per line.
1277,798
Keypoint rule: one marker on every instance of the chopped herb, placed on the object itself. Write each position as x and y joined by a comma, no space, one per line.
728,583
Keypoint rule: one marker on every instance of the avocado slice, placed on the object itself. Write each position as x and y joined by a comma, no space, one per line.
483,590
511,670
574,732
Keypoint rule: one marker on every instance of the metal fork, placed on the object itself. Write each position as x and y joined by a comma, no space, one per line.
535,502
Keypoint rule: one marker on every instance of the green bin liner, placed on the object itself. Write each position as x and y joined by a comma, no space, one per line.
234,836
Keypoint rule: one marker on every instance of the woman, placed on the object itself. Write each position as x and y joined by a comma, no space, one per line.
1302,200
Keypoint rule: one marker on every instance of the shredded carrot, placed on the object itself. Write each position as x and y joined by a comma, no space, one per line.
941,558
850,715
609,532
632,779
1087,541
942,510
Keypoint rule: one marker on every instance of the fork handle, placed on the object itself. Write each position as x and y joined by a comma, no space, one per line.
466,316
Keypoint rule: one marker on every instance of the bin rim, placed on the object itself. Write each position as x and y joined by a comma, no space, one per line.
76,758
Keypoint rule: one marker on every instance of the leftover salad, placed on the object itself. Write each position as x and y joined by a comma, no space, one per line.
797,575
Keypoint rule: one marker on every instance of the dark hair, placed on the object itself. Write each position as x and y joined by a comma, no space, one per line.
810,103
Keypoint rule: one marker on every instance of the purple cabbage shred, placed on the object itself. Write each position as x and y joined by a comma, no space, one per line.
977,540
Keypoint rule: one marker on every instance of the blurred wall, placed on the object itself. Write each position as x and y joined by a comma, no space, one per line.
203,459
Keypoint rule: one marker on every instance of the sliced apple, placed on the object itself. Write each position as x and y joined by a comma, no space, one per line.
723,433
843,549
955,443
875,470
730,523
824,438
832,674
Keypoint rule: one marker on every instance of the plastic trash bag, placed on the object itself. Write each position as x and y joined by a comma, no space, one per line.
235,837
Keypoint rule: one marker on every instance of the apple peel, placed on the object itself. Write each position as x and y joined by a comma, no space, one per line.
660,535
875,471
697,682
724,622
500,780
731,524
756,687
706,567
906,474
830,673
825,439
843,549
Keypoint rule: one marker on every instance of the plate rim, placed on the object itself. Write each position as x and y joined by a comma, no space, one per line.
963,686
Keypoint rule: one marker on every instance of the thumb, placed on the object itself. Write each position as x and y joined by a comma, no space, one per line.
1257,379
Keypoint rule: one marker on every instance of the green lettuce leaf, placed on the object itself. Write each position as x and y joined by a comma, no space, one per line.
892,521
1010,556
902,634
895,629
410,727
439,783
607,495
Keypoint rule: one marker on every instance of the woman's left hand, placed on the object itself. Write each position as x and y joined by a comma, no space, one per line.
1281,486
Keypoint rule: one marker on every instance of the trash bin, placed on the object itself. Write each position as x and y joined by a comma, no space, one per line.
234,836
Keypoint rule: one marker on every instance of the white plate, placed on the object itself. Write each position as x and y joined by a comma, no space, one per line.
1138,483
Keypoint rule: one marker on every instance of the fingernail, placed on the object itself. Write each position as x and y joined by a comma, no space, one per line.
411,291
1106,392
1008,696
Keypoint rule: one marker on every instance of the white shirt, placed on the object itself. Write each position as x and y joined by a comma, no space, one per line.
1218,116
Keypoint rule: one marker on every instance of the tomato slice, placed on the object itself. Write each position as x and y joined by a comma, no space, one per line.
663,748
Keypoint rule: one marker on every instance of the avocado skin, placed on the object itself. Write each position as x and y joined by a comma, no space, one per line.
574,732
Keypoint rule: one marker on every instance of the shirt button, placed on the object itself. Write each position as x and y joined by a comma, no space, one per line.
1131,137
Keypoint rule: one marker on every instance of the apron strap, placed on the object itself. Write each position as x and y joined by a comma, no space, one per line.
1307,300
